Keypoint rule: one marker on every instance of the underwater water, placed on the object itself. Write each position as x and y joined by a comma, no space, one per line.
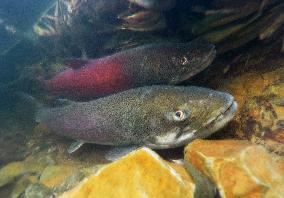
135,98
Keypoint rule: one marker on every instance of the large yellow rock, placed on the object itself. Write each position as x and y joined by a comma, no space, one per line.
141,173
238,168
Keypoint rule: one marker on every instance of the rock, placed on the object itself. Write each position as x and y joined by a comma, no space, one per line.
92,170
76,177
15,169
259,93
70,182
54,175
237,167
22,184
263,118
9,172
38,191
204,187
141,173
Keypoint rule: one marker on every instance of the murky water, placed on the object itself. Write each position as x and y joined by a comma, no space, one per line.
80,78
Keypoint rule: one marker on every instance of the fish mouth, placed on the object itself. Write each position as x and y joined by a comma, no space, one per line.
211,126
210,57
221,120
227,115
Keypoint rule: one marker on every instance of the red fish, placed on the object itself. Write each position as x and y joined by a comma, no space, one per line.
167,63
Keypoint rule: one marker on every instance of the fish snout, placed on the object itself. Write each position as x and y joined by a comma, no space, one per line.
205,54
212,110
225,109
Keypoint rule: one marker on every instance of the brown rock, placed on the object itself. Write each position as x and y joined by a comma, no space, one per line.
259,93
54,175
141,173
238,168
22,184
9,172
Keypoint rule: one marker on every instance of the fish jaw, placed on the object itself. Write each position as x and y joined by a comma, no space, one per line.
211,127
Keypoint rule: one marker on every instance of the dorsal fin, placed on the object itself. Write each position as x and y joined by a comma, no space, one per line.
76,63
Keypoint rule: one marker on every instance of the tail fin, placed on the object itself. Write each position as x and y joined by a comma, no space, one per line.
27,85
28,99
29,102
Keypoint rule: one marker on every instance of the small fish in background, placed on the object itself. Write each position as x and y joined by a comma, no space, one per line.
164,63
157,116
9,36
143,21
161,5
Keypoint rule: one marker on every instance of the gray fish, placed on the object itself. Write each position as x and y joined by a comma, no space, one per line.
158,116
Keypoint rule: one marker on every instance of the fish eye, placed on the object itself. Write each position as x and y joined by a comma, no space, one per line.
179,115
184,60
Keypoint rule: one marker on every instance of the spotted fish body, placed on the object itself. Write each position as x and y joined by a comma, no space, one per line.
155,116
166,63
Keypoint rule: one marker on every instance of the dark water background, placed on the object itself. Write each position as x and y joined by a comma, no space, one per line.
22,15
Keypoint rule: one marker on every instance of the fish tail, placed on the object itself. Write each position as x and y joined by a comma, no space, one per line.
28,99
27,85
30,102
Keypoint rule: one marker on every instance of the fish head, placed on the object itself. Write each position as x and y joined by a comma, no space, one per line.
190,113
191,59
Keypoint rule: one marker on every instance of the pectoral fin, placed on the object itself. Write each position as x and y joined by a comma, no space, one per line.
75,146
118,152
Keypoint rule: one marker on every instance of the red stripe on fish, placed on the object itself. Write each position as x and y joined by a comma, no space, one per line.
98,77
